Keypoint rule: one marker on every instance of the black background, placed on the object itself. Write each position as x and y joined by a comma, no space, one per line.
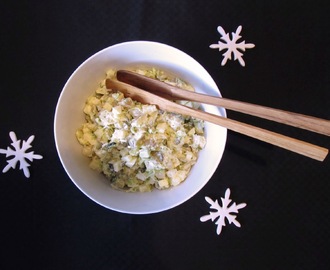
47,223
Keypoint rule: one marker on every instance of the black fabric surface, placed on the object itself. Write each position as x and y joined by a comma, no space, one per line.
47,223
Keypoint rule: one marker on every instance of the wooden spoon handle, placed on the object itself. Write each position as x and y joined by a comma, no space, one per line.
310,123
294,145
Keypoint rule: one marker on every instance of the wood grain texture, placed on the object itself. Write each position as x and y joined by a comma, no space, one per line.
294,145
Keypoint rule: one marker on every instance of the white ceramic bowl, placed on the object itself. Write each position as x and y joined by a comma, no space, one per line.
69,116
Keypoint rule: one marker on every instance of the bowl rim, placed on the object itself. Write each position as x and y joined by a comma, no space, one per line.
137,42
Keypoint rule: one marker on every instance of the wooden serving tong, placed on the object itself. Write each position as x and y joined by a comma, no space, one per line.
151,91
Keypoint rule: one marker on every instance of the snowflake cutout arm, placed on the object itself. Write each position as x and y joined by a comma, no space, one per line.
223,212
19,154
231,45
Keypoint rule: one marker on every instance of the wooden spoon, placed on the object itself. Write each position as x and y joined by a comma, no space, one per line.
167,91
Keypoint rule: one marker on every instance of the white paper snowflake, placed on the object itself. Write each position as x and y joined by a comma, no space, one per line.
19,154
223,212
231,45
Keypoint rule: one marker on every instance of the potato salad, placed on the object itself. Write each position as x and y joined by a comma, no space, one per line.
137,146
